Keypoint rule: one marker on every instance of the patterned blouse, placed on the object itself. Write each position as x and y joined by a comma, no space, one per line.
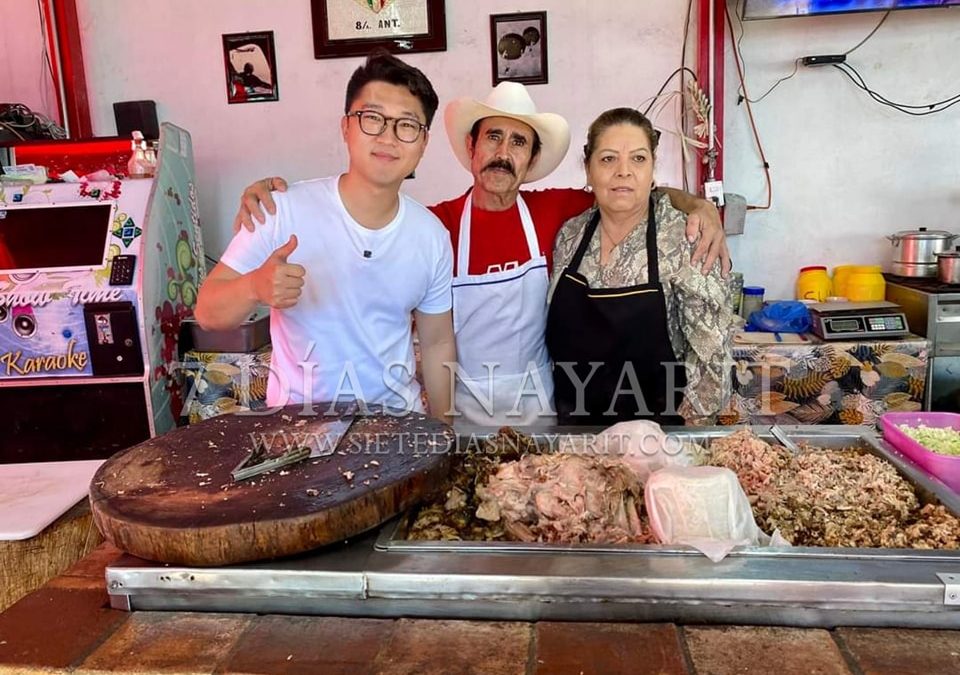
700,320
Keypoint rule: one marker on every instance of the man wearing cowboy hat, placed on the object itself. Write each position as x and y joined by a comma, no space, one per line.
502,240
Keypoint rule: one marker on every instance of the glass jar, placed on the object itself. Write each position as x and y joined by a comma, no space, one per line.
736,291
752,301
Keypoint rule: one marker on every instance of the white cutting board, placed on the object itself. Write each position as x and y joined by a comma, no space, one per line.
34,495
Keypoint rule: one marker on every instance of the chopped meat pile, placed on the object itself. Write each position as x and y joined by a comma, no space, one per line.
755,462
565,498
505,490
834,498
452,516
838,498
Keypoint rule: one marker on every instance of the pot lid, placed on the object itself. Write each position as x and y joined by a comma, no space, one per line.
924,233
955,253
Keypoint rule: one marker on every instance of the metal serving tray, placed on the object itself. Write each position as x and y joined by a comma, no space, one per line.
394,536
383,574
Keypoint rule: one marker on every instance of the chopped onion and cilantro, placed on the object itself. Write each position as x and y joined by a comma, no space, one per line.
941,440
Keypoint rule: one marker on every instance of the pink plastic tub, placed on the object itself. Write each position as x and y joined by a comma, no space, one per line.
946,468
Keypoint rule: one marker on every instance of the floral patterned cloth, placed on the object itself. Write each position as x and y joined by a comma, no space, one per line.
216,383
826,382
700,320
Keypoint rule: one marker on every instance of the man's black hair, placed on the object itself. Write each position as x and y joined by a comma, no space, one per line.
534,148
382,66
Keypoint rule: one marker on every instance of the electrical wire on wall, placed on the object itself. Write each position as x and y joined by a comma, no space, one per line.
753,125
46,67
741,94
683,70
913,109
871,33
916,110
661,102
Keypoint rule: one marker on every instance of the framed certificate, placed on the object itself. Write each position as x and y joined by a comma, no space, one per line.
357,27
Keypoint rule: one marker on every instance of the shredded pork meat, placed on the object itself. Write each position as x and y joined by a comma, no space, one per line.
504,490
564,498
833,498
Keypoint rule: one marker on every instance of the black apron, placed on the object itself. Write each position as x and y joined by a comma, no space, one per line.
615,328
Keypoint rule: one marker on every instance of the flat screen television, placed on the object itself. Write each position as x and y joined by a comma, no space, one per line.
54,237
771,9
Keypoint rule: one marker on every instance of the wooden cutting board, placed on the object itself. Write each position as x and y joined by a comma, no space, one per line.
172,498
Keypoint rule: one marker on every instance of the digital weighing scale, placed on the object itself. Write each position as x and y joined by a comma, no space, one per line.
858,320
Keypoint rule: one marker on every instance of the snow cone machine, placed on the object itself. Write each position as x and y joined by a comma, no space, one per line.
95,278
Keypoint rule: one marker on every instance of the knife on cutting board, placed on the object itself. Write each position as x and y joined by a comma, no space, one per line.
319,439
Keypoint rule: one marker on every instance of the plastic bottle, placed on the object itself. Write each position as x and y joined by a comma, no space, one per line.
137,164
813,284
150,155
752,300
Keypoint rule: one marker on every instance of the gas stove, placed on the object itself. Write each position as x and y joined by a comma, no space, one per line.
923,284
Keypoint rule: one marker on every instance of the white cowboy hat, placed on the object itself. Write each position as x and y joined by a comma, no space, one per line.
509,99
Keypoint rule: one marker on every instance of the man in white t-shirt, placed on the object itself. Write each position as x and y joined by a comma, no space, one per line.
347,260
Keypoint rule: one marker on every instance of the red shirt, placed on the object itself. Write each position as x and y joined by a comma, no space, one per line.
496,237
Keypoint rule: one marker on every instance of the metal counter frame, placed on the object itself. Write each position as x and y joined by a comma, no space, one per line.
381,574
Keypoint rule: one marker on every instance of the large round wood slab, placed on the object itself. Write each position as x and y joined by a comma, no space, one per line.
173,499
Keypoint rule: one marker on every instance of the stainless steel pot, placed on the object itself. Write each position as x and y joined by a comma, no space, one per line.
948,266
915,251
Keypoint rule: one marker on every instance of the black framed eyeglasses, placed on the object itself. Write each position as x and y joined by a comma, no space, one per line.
372,123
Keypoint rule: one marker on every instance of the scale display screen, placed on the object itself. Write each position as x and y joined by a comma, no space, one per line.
45,237
845,325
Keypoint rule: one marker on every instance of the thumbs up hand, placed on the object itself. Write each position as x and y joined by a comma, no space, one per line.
276,282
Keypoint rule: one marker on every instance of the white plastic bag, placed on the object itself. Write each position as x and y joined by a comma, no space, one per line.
640,444
704,507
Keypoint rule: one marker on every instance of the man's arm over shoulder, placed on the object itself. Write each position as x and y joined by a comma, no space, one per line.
566,202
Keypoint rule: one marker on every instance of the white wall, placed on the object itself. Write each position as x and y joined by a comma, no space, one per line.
24,75
602,54
846,171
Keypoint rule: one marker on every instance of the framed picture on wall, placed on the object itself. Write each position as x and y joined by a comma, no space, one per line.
250,63
519,47
357,27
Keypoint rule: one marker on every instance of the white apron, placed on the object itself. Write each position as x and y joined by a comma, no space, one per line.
500,318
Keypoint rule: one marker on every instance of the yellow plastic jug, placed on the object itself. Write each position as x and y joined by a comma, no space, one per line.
866,284
813,284
841,273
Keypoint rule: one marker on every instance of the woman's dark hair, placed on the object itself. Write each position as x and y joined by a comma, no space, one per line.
613,117
382,66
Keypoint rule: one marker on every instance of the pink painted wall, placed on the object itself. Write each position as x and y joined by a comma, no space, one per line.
24,73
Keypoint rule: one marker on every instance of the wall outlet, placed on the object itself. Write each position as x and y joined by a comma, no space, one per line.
713,190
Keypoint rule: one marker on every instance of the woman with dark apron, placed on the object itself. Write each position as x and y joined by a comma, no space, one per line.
629,315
